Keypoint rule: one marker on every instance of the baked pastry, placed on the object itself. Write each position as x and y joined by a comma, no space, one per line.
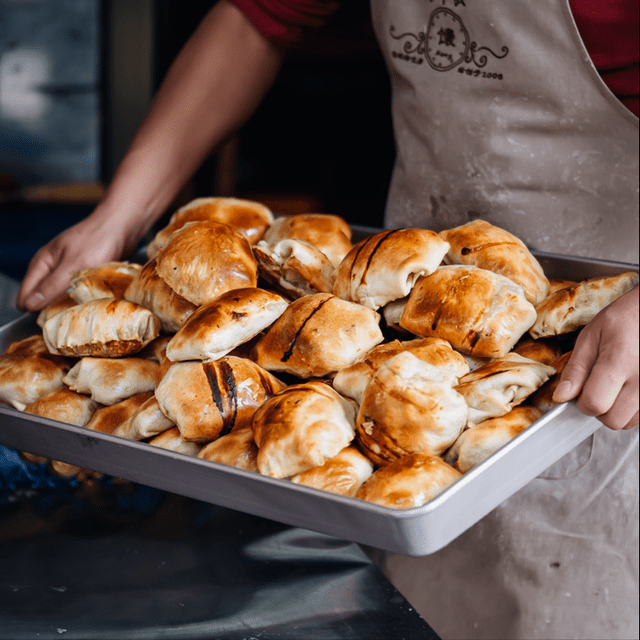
152,292
29,346
111,380
495,389
574,307
250,219
343,474
232,319
392,312
483,245
409,407
25,378
477,444
318,335
409,482
559,285
385,266
209,399
146,422
173,440
294,267
479,312
302,427
352,380
546,350
108,419
64,405
101,328
543,397
61,303
204,259
108,280
331,234
236,449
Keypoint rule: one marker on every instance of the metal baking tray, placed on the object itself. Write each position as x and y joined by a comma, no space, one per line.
413,532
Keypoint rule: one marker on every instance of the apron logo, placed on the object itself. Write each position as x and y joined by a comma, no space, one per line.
445,44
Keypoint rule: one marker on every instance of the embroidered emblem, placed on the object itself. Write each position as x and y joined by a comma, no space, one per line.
445,44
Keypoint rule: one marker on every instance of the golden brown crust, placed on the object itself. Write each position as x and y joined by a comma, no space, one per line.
172,440
483,245
108,419
301,427
479,312
546,351
477,444
209,399
318,335
385,266
101,328
108,280
409,407
409,482
152,292
64,405
61,303
27,346
236,449
146,422
250,219
329,233
233,318
343,474
204,259
543,397
571,308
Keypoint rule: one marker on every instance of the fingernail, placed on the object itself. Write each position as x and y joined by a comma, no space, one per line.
34,302
563,392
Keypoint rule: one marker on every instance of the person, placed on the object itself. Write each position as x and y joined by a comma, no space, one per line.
500,114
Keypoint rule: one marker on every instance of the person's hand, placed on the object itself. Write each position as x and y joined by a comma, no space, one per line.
87,243
603,371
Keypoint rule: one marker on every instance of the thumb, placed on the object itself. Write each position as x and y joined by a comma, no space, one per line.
578,369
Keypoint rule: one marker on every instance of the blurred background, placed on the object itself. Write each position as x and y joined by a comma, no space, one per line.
77,77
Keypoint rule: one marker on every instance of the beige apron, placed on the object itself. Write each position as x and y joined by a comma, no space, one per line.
499,114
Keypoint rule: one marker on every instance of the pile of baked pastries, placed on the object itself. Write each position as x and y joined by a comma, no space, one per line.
381,370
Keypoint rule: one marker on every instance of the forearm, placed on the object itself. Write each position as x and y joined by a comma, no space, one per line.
214,85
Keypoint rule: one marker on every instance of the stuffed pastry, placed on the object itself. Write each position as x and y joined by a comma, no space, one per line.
236,449
109,280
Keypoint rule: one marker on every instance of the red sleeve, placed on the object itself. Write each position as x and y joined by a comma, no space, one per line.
284,21
610,31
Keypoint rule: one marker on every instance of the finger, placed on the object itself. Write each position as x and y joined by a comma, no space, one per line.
576,373
49,288
602,390
39,268
633,423
623,411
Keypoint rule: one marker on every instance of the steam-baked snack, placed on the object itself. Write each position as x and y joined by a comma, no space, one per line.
147,421
543,397
152,292
111,380
27,346
25,378
495,389
209,399
483,245
392,312
173,440
204,259
61,303
236,449
302,427
352,380
385,266
574,307
294,267
101,328
108,419
409,482
477,444
64,405
108,280
232,319
250,219
343,474
546,350
479,312
318,335
331,234
409,407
